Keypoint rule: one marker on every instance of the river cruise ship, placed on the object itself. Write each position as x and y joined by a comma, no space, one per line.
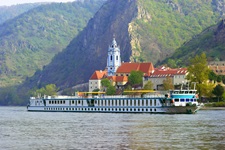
177,101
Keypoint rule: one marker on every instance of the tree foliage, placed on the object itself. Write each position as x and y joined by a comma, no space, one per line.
218,91
111,90
135,78
198,71
49,90
168,84
148,86
105,83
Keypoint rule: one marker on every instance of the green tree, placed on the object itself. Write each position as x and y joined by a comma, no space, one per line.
219,78
223,96
172,63
198,72
207,89
218,91
111,90
49,89
148,86
212,76
95,90
168,84
135,78
105,83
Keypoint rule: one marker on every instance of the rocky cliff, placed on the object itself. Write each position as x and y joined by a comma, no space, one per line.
88,51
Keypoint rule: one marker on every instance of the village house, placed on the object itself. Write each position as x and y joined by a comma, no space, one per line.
218,67
160,74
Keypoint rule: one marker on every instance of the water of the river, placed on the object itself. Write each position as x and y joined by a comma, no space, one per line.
24,130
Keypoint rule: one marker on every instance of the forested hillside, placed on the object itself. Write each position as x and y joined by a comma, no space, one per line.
10,12
29,41
145,30
210,41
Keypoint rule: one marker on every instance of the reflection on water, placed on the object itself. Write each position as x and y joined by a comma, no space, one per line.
20,129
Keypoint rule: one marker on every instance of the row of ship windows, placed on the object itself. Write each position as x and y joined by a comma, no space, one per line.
185,100
101,109
110,102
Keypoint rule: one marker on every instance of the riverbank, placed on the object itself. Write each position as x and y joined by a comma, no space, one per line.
212,108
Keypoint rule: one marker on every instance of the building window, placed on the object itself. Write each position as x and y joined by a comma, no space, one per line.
111,57
116,57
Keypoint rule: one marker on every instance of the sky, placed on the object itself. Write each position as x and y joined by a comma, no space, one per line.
14,2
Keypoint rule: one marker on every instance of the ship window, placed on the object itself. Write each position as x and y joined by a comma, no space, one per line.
79,102
138,109
115,102
112,102
72,102
146,109
191,100
134,103
155,109
108,102
64,102
146,102
60,102
143,102
154,102
176,100
150,109
182,100
187,100
134,109
130,102
102,102
142,109
49,102
150,102
138,102
127,102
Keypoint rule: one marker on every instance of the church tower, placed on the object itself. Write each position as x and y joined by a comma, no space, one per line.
113,60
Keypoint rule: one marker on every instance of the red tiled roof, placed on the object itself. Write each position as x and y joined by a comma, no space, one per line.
168,72
146,68
121,78
97,75
118,78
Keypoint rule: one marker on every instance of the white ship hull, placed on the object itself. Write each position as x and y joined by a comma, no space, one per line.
110,105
